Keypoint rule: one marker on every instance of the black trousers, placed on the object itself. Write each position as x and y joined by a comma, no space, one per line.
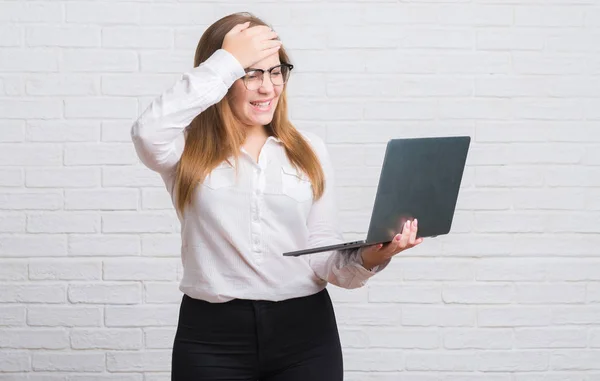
291,340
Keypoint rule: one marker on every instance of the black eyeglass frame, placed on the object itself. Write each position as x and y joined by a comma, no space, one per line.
262,72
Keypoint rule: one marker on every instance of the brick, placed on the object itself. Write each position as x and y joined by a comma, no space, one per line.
509,39
141,316
27,60
505,361
138,84
545,338
140,269
103,245
68,362
105,338
484,199
35,339
11,177
105,199
161,245
31,154
109,377
546,63
479,62
505,269
437,39
509,176
159,338
13,270
128,176
156,199
33,293
62,178
440,361
509,222
31,108
486,338
64,316
364,315
94,60
371,36
63,222
575,315
385,61
62,131
405,293
137,37
100,154
368,361
413,110
553,16
475,109
103,13
11,315
101,108
446,316
72,269
532,245
66,36
162,292
61,84
116,131
124,361
158,62
476,293
12,131
28,245
179,15
12,222
31,12
15,361
403,338
105,293
514,316
575,360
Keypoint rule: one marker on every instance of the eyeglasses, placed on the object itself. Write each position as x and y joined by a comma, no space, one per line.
279,75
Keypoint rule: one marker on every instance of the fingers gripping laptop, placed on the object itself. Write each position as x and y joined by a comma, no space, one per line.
420,178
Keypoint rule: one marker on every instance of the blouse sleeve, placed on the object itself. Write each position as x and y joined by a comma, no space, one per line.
158,133
342,268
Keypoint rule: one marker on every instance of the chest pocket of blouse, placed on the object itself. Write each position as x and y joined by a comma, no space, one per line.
295,184
222,176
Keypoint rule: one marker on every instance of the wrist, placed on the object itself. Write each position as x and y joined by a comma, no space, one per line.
367,261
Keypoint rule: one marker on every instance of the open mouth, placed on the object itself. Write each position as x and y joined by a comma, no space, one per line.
262,106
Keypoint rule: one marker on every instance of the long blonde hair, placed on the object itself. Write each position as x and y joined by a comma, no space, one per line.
215,134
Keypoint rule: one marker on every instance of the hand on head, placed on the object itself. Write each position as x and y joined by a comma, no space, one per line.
251,44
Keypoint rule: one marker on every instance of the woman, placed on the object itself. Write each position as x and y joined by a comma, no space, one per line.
248,186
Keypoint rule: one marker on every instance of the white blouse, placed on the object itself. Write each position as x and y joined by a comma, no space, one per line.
234,235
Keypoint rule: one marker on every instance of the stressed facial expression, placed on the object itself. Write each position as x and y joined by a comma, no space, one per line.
255,96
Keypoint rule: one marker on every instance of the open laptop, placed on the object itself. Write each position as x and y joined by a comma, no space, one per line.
420,178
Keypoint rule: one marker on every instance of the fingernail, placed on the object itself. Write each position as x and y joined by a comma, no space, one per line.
416,222
397,237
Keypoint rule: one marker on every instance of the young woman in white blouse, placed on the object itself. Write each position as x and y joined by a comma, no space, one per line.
248,186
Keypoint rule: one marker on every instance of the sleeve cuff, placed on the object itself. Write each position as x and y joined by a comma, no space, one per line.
226,66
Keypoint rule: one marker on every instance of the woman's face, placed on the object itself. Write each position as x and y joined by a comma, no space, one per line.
254,102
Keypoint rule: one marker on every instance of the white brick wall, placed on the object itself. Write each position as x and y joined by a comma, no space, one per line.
89,242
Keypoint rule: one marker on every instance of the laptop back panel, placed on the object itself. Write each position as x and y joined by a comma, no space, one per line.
420,179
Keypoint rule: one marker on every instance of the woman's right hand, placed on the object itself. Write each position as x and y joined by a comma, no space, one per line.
250,45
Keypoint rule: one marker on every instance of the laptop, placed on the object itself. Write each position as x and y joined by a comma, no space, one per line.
420,178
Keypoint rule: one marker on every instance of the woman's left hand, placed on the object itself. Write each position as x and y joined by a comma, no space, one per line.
375,255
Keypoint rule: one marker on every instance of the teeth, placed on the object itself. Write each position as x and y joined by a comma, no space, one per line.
261,104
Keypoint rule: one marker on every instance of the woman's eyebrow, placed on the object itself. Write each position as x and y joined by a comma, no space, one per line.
252,68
